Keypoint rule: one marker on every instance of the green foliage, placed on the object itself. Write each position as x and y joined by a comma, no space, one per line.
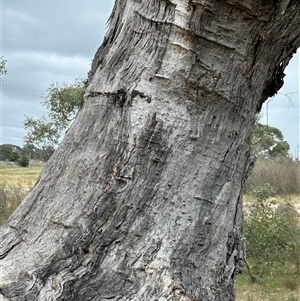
268,142
14,153
35,153
23,161
263,192
29,150
14,156
62,101
270,236
41,132
9,152
292,217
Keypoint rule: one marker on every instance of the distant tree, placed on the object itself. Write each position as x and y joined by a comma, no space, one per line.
29,150
5,151
9,152
268,142
62,101
3,69
41,132
36,153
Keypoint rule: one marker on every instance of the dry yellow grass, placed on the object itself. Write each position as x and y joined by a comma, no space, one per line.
289,198
257,293
15,176
269,291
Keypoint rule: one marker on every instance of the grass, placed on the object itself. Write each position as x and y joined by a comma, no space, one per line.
281,283
283,175
282,199
10,199
15,176
14,186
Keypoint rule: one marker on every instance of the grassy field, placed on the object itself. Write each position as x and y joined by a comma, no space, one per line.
13,175
15,182
290,198
281,283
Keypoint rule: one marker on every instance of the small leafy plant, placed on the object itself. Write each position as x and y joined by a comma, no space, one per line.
269,235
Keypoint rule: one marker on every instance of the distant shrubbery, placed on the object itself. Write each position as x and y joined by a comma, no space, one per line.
282,174
21,156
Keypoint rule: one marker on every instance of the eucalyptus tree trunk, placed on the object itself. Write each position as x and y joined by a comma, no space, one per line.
142,200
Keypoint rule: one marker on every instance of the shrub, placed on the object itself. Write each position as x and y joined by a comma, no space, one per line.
270,235
14,157
284,174
291,215
24,161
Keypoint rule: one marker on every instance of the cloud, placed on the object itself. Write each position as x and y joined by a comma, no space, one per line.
282,111
54,41
45,42
65,27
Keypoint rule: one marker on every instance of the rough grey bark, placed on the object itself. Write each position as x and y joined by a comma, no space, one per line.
142,200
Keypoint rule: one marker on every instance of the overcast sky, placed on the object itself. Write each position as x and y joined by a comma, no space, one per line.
45,42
